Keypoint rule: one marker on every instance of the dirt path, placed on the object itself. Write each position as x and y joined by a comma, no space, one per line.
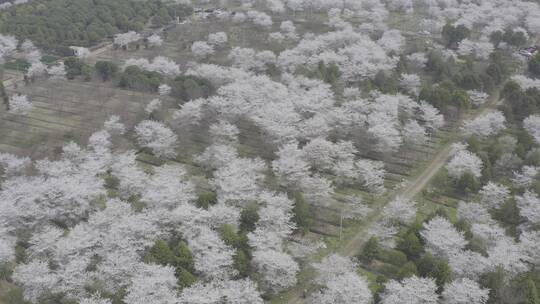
409,192
352,246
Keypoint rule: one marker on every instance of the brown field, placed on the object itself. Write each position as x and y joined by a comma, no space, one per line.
63,111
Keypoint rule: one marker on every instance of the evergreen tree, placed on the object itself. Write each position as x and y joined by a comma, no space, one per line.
371,250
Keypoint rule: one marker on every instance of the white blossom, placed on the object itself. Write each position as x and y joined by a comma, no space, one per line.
529,206
478,97
19,104
152,284
532,125
485,125
218,39
412,290
493,195
441,237
464,291
464,162
400,210
153,105
123,39
155,40
164,89
278,269
157,137
57,72
201,49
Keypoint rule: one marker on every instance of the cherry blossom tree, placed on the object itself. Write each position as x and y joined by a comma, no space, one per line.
410,82
333,266
418,60
385,233
323,154
216,156
33,55
404,5
276,214
526,177
218,39
441,236
35,278
385,131
222,291
532,125
164,89
414,133
12,165
249,59
392,40
152,106
36,69
400,210
154,40
371,174
478,49
317,189
277,37
168,187
7,246
8,45
526,82
463,162
28,201
123,39
287,26
478,97
474,213
346,288
290,166
152,284
201,49
224,132
114,126
19,104
260,18
529,206
239,17
276,6
159,64
410,290
529,246
95,299
508,255
485,125
468,264
433,120
191,112
493,195
464,291
239,180
289,30
57,72
157,137
356,55
278,269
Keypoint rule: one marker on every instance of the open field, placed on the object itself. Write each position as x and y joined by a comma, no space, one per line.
67,110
